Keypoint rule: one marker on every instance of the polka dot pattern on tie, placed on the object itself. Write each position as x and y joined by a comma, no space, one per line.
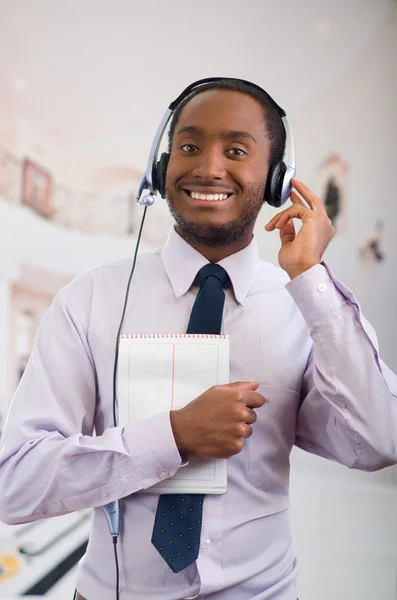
176,533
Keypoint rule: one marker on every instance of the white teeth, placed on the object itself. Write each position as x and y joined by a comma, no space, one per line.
209,197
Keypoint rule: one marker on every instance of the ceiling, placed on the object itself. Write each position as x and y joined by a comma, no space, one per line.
90,73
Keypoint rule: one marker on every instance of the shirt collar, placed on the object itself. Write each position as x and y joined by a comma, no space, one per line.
182,262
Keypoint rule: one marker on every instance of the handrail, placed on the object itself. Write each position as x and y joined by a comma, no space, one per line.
28,551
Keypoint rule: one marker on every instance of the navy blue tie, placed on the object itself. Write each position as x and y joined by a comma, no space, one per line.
177,526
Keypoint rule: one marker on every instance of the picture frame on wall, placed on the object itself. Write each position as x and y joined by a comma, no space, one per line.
37,188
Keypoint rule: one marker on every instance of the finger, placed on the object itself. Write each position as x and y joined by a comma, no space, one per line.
272,223
288,233
251,416
248,431
279,220
254,399
295,211
245,385
313,201
296,199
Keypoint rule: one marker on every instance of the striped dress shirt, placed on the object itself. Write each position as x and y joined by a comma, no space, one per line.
305,341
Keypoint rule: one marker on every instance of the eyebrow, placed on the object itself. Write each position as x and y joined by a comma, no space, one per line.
224,134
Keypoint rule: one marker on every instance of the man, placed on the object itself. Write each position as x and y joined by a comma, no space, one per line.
304,368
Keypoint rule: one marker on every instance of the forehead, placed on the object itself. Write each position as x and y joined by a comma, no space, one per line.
215,110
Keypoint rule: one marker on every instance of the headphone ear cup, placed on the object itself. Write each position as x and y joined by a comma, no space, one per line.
274,184
159,174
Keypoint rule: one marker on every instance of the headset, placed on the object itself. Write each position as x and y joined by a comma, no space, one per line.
277,192
278,186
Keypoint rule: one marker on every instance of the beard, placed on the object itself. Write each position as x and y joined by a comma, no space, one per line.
224,233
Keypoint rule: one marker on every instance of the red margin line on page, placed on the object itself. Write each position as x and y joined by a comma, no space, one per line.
173,377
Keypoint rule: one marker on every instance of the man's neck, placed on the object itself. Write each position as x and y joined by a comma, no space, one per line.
217,253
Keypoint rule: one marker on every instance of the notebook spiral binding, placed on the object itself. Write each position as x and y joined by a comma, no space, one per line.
139,336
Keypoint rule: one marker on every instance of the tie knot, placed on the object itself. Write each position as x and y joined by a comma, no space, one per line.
211,270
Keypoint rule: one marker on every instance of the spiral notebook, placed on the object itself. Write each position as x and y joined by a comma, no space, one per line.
161,372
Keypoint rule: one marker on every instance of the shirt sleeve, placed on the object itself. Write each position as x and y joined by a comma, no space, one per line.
50,461
348,407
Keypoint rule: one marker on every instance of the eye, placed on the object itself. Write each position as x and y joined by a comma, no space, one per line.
235,153
189,148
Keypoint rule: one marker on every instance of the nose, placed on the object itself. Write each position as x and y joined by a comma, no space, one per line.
210,165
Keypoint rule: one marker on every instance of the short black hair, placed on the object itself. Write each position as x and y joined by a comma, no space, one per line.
274,126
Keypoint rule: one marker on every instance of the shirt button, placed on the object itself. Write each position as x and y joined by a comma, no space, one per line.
164,474
322,287
105,495
207,544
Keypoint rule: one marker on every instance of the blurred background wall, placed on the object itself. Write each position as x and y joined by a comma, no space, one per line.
83,86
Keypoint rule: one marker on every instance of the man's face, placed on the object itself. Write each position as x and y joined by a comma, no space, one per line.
218,167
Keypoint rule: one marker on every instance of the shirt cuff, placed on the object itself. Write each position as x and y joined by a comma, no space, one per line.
152,448
315,293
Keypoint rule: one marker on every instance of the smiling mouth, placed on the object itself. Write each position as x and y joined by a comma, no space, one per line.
208,197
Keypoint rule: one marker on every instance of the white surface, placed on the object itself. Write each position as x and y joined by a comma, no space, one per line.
166,374
100,73
345,528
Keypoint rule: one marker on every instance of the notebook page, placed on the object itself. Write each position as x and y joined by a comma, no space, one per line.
162,372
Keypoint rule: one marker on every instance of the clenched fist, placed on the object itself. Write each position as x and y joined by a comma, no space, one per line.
215,424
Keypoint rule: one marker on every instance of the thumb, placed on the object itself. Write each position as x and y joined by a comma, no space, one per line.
245,385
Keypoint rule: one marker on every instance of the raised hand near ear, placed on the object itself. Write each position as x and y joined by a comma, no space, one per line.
302,251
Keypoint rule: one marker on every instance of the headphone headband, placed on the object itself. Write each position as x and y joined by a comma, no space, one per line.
195,84
148,188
